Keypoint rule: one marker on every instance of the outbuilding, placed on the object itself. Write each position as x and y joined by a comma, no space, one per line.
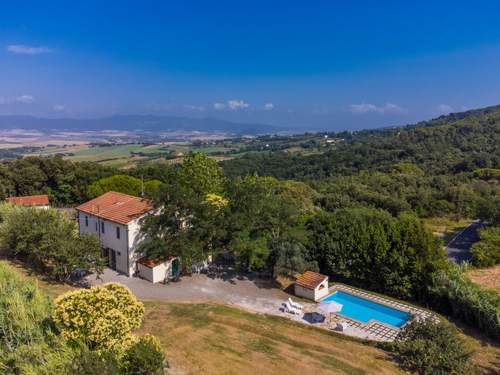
38,201
311,285
159,270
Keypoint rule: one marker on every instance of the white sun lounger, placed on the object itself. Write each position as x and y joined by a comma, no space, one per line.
295,305
290,309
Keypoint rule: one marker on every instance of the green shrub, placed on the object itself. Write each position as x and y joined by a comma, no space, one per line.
144,357
427,348
23,311
90,362
486,252
452,293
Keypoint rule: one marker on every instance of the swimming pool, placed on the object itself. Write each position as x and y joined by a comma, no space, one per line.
364,310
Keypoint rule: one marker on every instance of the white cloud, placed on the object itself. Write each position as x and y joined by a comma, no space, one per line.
268,106
444,108
237,104
26,99
22,49
232,104
194,107
372,108
58,107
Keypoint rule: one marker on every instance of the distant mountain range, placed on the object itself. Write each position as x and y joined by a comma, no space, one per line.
137,123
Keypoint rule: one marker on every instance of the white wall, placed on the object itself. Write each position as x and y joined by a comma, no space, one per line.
156,274
300,291
145,272
316,294
109,239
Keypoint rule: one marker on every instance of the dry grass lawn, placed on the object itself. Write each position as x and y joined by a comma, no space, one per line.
217,339
487,277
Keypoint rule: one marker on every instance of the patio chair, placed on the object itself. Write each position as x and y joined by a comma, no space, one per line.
295,305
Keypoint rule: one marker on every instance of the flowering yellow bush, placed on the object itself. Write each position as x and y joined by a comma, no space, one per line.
102,316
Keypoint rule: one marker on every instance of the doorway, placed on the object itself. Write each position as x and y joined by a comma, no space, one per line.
175,267
112,260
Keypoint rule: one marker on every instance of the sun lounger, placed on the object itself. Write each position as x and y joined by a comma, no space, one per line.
290,309
295,305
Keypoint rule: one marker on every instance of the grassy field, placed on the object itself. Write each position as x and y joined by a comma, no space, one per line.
219,339
127,155
487,277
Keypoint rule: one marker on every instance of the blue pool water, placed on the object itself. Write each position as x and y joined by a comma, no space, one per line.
364,310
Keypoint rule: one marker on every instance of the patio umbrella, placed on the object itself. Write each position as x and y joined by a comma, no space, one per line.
327,307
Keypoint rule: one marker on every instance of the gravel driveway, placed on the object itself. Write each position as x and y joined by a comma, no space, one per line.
252,294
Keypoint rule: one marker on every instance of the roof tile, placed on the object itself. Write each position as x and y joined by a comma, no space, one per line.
117,207
310,280
30,200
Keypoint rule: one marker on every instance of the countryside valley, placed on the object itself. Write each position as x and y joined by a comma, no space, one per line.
246,216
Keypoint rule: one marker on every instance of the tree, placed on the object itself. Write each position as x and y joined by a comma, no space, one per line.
201,174
120,183
49,242
373,249
258,210
191,212
489,211
252,253
430,348
144,357
102,317
486,252
289,257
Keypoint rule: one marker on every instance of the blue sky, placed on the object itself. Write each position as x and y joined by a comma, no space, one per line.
316,64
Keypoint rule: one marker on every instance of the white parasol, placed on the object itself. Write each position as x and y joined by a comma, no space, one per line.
327,307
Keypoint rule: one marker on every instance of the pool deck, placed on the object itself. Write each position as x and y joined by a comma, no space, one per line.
373,329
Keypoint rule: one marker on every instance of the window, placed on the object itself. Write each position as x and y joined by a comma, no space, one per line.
96,227
118,232
102,226
86,221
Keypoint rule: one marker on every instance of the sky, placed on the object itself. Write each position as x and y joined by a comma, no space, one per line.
332,65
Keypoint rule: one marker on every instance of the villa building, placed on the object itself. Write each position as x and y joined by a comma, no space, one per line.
38,201
115,219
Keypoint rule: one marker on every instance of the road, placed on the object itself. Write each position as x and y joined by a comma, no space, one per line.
458,248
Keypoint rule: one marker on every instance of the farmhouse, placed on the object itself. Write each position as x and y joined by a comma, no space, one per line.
311,285
115,219
38,201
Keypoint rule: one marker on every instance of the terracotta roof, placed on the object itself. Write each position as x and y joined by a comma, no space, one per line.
151,263
310,280
117,207
30,200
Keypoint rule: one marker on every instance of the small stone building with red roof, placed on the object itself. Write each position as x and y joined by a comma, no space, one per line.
115,219
311,285
38,201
